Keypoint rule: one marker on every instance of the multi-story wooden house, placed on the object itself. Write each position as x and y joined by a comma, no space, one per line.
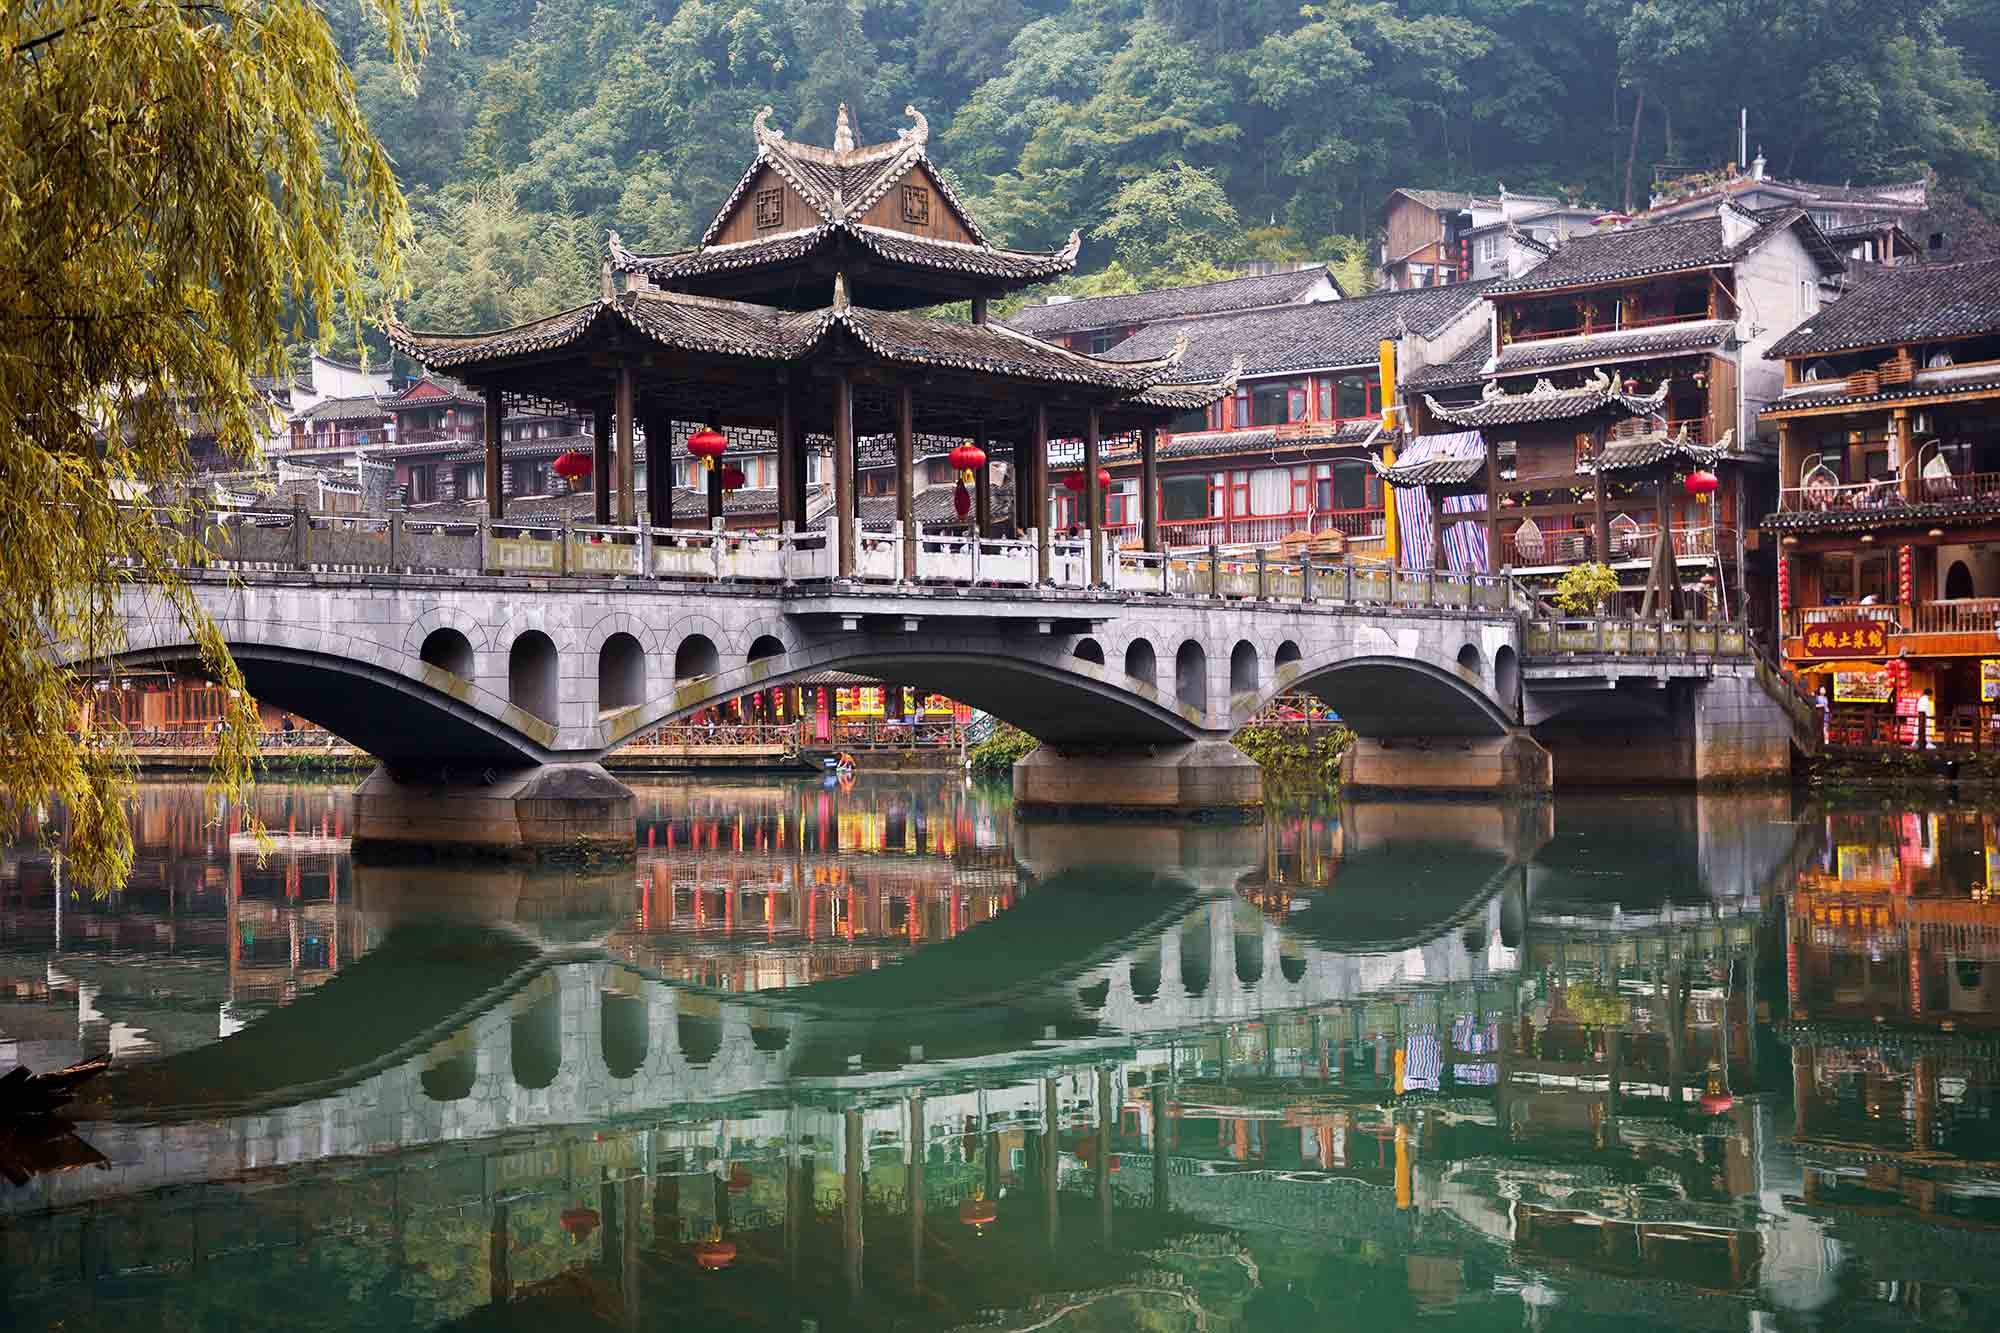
1684,310
1287,451
1434,237
1888,515
1097,324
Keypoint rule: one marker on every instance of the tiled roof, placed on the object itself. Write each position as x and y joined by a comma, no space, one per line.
1835,394
1959,509
1545,402
1441,464
1650,450
430,389
737,328
1440,200
1905,304
1263,441
1323,334
1468,367
1662,247
366,407
986,261
1584,349
1206,298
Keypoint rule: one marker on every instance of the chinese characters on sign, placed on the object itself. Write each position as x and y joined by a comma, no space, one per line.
1838,638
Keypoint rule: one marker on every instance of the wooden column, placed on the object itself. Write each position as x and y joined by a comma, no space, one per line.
844,499
906,477
1093,492
715,492
914,1190
496,489
1051,1144
1437,534
788,462
623,406
979,315
1149,487
1024,491
982,492
1038,498
1599,482
800,473
1494,555
600,464
659,468
853,1195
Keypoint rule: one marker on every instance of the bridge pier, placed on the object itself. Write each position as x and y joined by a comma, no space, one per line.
1505,765
1191,778
555,812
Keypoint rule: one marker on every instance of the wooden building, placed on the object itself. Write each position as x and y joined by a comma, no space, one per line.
1097,324
791,317
1889,507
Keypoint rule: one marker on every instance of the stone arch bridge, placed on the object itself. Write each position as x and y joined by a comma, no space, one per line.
501,688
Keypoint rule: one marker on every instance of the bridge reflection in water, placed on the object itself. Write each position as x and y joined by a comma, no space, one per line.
880,1058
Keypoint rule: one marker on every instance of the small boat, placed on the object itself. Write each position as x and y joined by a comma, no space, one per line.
23,1093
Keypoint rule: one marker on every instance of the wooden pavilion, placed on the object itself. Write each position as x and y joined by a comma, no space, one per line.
797,316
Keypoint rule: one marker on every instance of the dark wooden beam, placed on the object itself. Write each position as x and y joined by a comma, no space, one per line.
845,499
496,492
600,463
906,497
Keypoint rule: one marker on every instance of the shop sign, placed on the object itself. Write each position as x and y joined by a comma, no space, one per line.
1835,638
1989,679
1862,687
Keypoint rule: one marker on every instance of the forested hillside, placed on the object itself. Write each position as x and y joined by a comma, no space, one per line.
1173,133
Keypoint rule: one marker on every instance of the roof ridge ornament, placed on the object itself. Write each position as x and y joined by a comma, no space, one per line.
760,127
1073,246
843,131
840,293
920,132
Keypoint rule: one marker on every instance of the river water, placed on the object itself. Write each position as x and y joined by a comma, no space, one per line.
884,1057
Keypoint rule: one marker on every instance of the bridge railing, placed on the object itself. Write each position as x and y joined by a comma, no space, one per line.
1614,637
294,539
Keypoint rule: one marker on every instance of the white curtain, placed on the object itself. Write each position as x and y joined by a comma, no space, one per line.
1271,491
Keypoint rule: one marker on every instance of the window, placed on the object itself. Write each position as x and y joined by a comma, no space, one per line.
1420,275
1277,403
1270,491
916,205
1357,396
1808,301
1186,422
1342,486
1489,247
770,209
472,481
1183,497
1825,221
1937,240
1121,503
1103,341
1239,410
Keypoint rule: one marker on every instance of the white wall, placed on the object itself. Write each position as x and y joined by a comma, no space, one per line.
1767,293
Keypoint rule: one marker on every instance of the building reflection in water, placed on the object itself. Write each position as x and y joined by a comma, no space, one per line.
1698,1063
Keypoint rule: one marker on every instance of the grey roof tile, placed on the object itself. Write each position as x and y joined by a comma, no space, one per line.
1905,304
1206,298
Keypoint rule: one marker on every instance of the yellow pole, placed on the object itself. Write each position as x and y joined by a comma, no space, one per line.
1389,509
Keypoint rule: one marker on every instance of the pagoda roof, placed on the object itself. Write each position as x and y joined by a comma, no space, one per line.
838,187
1545,402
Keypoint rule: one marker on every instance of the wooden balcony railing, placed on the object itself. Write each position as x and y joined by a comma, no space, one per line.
1965,615
1889,493
1608,326
1201,533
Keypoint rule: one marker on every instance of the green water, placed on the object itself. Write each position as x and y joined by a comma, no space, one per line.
887,1058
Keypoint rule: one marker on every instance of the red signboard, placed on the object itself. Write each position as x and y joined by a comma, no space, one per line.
1847,638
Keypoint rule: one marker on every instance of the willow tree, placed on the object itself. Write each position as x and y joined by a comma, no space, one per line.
183,187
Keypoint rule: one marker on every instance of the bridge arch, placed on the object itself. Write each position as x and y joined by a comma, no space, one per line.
1243,667
765,646
1380,695
447,649
621,672
696,656
1287,655
1191,675
447,617
534,675
1089,650
1507,677
1141,664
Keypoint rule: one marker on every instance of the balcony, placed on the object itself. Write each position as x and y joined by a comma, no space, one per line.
1549,546
1962,627
1266,530
1972,490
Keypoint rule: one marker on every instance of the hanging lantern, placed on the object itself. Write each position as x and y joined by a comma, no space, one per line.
714,1253
707,445
732,477
978,1212
961,500
1077,483
572,466
1715,1100
1701,484
579,1222
1784,584
1905,576
967,459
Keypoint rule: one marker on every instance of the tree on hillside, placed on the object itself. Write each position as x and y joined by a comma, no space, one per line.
181,187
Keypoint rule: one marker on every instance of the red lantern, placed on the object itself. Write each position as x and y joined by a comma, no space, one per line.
579,1222
572,466
739,1177
967,459
1784,584
707,445
1702,483
732,477
715,1255
1078,484
961,500
1716,1103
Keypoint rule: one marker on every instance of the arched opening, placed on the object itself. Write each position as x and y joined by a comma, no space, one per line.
1473,939
621,1027
1242,667
1957,581
621,673
1146,973
535,1035
1195,950
448,650
450,1069
696,657
1513,917
1140,663
1191,676
769,1038
1093,996
1291,960
1469,659
700,1038
531,675
1090,650
766,645
1249,956
1288,654
1506,676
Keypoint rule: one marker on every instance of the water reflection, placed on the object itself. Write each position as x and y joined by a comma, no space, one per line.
884,1058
